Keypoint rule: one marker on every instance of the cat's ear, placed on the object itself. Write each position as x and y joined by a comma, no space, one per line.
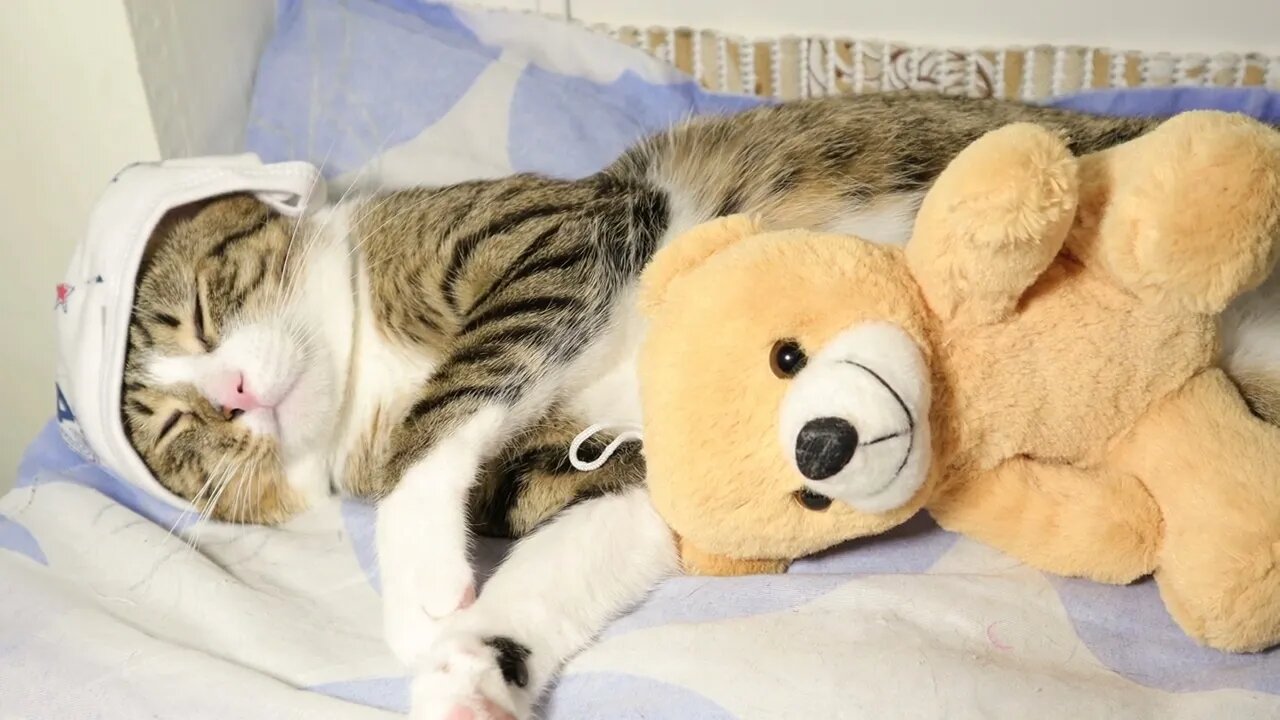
164,229
688,251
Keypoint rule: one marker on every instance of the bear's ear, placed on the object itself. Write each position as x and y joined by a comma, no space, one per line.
687,252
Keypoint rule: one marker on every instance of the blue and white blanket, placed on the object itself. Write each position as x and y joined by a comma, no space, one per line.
114,606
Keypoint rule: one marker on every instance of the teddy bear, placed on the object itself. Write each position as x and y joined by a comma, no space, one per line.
1035,368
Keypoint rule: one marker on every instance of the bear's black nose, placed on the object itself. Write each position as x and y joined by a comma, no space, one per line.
824,447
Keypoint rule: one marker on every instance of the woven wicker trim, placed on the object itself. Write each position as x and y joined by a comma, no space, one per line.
800,67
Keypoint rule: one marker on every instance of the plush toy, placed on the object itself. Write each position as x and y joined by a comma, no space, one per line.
1036,368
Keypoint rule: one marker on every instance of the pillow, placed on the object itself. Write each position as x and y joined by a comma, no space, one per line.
1258,103
398,92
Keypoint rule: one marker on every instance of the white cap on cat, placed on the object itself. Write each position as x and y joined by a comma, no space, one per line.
95,299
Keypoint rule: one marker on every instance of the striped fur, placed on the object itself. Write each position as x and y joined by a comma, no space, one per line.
434,345
513,279
509,281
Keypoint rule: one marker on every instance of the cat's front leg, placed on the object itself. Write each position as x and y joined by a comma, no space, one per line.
422,535
422,531
506,371
554,593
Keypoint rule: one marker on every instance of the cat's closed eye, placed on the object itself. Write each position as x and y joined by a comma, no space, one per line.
169,424
201,337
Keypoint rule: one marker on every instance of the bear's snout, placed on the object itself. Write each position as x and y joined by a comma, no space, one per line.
824,446
854,421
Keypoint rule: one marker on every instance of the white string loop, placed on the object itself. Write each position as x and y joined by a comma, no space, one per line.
627,433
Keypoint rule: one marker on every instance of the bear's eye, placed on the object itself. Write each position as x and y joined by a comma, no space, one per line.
812,500
786,358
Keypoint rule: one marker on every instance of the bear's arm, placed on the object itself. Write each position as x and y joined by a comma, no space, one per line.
992,223
1095,523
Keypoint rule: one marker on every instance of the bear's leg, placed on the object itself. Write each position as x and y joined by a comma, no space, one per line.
1091,523
1186,216
1214,471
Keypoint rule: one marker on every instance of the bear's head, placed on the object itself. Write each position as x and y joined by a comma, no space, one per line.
785,388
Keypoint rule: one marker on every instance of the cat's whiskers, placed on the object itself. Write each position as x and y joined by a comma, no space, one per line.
408,209
295,282
337,205
366,236
367,212
317,233
284,266
369,208
306,342
215,479
224,481
272,453
247,479
293,285
248,474
313,237
186,512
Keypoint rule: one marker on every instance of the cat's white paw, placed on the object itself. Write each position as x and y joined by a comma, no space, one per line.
422,556
465,678
411,628
415,606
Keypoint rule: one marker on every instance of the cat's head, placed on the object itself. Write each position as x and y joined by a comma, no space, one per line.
231,387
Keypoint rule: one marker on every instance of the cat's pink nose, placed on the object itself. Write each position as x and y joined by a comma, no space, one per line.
234,397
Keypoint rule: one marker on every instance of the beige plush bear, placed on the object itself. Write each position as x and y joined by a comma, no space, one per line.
1036,368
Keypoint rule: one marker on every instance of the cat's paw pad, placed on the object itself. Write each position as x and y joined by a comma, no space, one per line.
465,678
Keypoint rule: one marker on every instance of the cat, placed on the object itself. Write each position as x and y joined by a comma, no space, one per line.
435,350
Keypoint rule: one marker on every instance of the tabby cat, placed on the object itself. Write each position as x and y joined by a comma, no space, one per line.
433,347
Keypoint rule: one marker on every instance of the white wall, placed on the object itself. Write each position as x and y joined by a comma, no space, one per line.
198,59
72,112
1173,25
88,86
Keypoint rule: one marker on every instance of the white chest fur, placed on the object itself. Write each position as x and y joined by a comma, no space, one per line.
609,389
383,376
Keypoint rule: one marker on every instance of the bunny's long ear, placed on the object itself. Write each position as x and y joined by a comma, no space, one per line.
993,221
689,251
